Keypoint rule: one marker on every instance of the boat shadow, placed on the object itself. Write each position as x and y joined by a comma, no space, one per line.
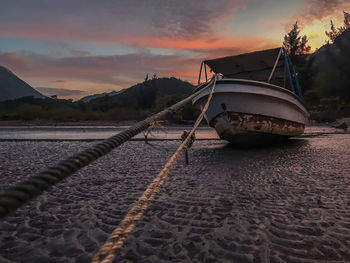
290,143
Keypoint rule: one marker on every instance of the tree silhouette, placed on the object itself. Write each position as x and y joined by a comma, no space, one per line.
335,32
346,24
294,43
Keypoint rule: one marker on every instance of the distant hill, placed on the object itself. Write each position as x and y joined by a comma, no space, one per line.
95,96
135,95
12,87
143,95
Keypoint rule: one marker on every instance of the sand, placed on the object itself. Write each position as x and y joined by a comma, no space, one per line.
288,203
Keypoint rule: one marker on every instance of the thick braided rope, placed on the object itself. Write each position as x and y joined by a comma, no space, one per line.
21,193
116,240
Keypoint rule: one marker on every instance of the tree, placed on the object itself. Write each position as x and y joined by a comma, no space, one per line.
335,32
294,43
346,22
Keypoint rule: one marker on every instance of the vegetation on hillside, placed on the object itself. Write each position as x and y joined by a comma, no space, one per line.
135,103
324,75
336,32
328,92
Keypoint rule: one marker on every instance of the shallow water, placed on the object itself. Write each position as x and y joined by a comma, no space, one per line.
94,133
103,132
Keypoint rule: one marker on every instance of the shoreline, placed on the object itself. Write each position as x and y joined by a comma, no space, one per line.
170,123
86,133
85,123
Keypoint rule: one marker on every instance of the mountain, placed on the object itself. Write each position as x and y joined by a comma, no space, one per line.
95,96
329,68
143,91
143,95
12,87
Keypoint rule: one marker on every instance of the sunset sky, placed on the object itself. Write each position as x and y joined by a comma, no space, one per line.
73,48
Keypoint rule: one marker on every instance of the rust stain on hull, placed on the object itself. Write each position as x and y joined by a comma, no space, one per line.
230,124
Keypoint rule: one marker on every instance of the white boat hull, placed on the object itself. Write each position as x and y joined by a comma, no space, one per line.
251,111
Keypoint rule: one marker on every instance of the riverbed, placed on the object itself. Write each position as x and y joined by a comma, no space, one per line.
285,203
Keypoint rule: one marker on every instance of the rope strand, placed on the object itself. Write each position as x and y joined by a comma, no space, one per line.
116,240
21,193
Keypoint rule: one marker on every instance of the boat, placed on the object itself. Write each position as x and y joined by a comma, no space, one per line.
257,98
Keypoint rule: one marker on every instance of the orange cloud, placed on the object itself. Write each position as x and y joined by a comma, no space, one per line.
123,70
214,42
214,46
180,73
63,85
314,19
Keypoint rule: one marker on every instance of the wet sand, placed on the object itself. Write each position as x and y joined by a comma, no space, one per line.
287,203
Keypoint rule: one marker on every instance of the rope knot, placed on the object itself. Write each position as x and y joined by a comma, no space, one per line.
192,139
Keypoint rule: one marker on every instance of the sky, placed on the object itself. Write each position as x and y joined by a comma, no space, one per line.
74,48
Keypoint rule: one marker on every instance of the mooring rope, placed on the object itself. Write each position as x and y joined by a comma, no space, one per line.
116,240
21,193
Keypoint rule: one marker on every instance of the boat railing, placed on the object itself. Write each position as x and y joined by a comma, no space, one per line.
290,77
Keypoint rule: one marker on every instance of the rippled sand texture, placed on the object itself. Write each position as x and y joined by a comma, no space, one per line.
288,203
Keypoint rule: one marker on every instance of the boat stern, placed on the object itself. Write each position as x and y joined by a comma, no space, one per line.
246,129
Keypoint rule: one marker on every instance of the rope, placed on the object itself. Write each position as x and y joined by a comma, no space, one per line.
116,240
21,193
149,131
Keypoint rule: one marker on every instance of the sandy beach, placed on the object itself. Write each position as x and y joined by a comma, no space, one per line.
286,203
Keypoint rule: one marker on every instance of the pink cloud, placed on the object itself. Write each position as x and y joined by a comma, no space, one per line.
96,69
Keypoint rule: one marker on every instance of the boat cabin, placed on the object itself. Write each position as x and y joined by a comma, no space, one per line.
270,66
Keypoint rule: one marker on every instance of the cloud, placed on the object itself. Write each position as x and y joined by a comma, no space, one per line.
80,53
320,9
114,21
189,19
124,70
121,70
59,92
